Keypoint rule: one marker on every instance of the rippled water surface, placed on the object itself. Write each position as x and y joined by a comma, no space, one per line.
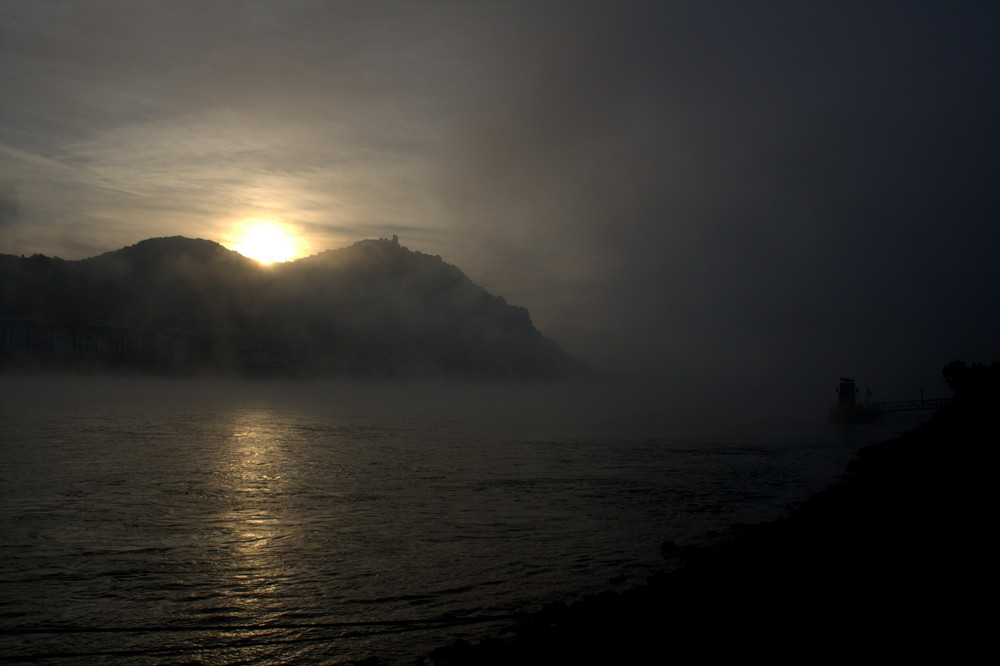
178,521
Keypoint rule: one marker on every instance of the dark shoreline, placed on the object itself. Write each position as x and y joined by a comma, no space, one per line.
886,562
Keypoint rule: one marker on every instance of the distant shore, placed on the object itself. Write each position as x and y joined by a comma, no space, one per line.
886,562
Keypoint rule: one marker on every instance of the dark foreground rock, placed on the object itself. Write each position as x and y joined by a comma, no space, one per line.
888,563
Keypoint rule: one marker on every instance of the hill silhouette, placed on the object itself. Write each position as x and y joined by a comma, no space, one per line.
375,308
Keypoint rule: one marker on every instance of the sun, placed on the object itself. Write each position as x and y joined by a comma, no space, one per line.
266,242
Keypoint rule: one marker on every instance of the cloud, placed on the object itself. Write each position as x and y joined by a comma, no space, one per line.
9,207
663,185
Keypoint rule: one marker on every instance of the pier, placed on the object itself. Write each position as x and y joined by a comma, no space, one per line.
909,405
848,409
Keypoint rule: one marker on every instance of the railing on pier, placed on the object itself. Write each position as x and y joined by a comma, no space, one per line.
909,405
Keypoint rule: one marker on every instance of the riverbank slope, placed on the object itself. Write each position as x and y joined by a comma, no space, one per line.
887,562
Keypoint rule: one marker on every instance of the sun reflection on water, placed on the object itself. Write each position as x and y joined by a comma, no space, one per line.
254,516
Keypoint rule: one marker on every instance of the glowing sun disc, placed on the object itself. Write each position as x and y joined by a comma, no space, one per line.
265,242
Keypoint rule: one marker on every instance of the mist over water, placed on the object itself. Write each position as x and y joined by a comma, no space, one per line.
181,504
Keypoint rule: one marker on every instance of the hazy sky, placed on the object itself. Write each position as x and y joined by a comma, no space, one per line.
780,192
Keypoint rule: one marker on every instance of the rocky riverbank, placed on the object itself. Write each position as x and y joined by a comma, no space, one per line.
889,562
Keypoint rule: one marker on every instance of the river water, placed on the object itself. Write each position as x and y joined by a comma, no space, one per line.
184,521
